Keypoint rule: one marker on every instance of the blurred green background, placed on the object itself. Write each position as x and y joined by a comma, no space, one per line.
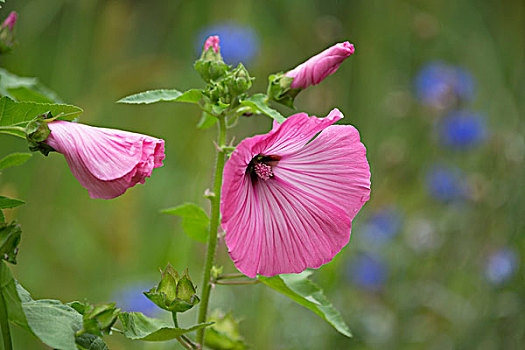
436,89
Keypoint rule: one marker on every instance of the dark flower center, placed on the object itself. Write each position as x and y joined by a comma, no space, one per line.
261,167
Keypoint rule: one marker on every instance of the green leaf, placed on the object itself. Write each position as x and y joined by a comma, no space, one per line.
224,334
91,342
8,285
207,121
195,222
138,326
306,293
167,95
25,89
14,159
20,113
9,240
6,203
54,323
258,103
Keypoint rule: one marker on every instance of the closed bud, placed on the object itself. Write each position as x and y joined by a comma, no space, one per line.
174,293
240,80
210,65
7,38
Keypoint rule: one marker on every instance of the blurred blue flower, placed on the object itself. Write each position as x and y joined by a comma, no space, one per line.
462,129
439,85
382,226
238,43
501,265
446,184
130,298
367,272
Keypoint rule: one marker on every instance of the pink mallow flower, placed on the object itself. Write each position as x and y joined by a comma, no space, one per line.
213,42
106,161
288,201
313,71
10,21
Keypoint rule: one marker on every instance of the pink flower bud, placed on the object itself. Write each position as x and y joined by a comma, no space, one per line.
106,161
213,42
10,21
313,71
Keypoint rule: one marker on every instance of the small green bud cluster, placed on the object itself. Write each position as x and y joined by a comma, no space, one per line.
225,84
174,293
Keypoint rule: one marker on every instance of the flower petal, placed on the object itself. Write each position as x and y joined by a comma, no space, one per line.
106,161
300,218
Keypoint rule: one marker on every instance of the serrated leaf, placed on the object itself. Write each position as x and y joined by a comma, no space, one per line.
54,323
306,293
195,221
258,103
138,326
14,159
6,203
166,95
20,113
207,121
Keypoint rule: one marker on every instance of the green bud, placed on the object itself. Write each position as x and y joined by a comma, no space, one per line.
240,80
96,319
37,132
210,65
174,293
279,89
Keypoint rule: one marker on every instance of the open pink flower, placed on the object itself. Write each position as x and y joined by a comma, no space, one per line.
313,71
288,201
213,42
106,161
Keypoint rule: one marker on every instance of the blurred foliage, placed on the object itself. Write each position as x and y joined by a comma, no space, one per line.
422,270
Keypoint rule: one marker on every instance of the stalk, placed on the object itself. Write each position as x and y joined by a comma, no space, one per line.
4,322
214,225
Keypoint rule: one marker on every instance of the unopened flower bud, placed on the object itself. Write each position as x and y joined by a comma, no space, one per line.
7,39
240,80
174,293
210,65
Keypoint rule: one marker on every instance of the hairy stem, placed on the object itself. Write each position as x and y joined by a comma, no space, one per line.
4,323
214,225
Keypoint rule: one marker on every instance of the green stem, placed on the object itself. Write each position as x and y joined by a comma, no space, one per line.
4,323
230,276
174,316
236,283
13,130
214,225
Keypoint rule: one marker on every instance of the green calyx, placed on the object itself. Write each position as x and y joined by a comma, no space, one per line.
280,90
174,293
96,319
37,132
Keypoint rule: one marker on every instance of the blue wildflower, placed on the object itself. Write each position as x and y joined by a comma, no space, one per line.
440,85
445,183
501,265
130,298
368,272
382,226
238,43
462,129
